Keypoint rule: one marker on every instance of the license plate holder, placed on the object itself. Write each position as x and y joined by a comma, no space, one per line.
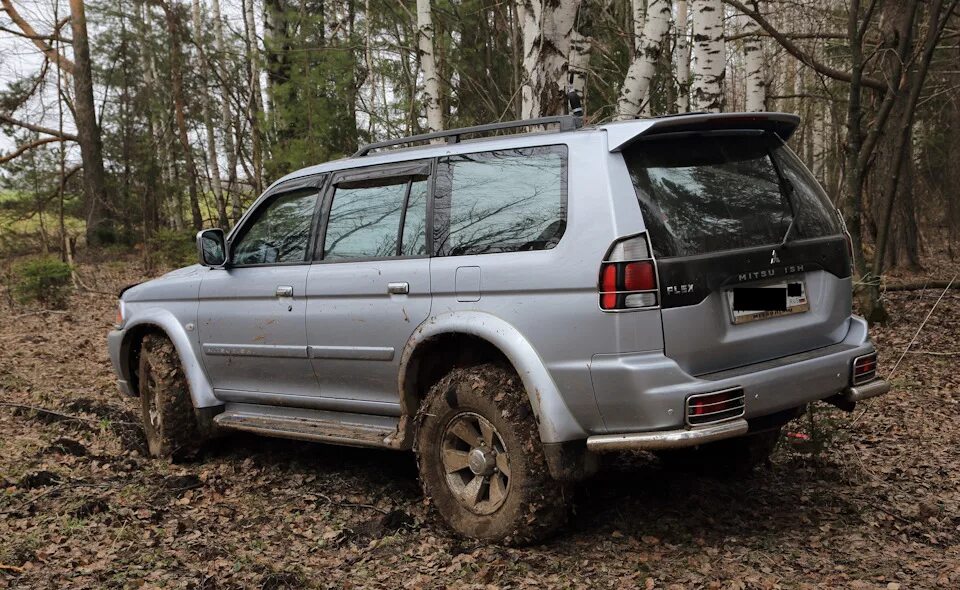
749,304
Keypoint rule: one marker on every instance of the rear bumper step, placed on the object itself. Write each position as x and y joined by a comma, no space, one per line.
667,439
858,393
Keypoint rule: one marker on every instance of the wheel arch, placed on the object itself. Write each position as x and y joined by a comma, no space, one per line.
496,339
159,321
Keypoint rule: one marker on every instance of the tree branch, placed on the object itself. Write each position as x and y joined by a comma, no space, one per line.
799,53
27,147
4,118
28,31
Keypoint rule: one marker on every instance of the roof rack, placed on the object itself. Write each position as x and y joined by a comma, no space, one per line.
563,123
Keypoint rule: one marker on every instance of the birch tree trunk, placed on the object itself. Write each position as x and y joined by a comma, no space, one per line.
580,46
709,56
212,160
755,72
635,92
681,58
255,100
431,95
547,27
226,119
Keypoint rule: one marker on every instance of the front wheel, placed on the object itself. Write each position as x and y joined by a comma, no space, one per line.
481,461
169,421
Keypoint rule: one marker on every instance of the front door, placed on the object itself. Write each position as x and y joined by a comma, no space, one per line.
251,314
371,287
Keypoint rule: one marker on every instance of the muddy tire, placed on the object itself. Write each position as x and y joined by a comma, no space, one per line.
731,457
169,420
481,461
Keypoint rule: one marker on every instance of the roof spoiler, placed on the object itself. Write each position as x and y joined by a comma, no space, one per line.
783,124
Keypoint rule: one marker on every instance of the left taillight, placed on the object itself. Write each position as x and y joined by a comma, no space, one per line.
628,276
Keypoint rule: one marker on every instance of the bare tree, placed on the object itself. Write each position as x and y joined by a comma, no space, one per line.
547,27
431,96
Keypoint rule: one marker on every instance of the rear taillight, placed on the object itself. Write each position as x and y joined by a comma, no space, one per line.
846,234
628,276
864,368
704,408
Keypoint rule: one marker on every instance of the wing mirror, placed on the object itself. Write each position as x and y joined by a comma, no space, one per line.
212,247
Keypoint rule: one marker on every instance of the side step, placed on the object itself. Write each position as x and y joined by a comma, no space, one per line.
360,430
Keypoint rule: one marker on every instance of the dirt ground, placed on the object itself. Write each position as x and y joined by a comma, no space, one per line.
863,500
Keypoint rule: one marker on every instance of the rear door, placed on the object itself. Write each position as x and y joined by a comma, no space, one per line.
370,287
719,207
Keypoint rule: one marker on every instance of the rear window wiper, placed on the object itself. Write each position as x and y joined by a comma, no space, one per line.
787,191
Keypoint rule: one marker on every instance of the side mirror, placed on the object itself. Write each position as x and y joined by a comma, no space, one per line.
211,245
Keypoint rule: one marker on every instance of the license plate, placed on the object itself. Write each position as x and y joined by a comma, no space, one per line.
748,304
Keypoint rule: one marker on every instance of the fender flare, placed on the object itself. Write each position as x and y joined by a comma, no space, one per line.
200,390
556,423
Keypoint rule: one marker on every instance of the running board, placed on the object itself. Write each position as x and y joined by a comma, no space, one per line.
360,430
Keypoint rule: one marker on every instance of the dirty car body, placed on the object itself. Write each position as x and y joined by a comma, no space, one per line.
655,284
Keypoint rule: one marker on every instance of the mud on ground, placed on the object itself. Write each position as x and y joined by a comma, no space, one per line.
863,500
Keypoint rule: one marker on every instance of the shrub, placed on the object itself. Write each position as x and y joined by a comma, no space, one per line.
44,280
173,248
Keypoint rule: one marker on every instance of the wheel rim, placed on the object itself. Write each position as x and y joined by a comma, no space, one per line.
476,463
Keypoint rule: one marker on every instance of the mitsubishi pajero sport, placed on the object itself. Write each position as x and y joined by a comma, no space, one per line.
511,305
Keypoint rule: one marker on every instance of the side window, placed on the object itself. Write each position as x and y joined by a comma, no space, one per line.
377,219
280,232
501,201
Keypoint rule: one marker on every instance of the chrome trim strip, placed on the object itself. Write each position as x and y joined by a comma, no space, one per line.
359,353
264,350
667,439
858,393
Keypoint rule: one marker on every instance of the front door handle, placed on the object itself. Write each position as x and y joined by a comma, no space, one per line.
398,288
284,291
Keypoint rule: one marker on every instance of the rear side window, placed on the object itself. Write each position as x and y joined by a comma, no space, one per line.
501,201
709,193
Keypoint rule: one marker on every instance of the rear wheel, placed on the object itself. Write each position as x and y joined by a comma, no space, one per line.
481,461
169,421
734,456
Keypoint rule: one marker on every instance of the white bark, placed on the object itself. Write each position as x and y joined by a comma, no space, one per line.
579,61
635,92
547,32
681,58
754,71
709,59
255,102
212,160
431,95
226,119
639,18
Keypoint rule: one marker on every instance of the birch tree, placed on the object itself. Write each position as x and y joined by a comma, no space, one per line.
547,27
681,58
755,72
709,56
431,95
212,160
635,92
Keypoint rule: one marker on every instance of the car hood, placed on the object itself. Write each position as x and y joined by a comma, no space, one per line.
182,283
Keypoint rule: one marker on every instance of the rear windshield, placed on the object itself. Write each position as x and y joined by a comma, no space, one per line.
708,193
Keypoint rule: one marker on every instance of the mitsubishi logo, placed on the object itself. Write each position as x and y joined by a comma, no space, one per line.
774,259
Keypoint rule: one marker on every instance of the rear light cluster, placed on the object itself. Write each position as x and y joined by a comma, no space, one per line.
628,277
864,368
706,408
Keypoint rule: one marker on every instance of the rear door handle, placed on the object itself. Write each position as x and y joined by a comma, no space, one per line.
398,288
284,291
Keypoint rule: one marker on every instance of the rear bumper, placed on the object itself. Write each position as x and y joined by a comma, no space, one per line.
646,393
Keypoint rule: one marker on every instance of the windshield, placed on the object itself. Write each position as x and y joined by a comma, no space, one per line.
706,193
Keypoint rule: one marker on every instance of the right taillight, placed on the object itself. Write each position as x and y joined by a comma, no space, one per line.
864,368
628,276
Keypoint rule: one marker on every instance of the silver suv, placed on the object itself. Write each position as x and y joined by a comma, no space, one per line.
510,301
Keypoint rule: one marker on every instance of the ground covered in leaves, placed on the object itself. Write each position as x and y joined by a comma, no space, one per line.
863,500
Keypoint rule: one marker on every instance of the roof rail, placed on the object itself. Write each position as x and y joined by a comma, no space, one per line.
563,123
